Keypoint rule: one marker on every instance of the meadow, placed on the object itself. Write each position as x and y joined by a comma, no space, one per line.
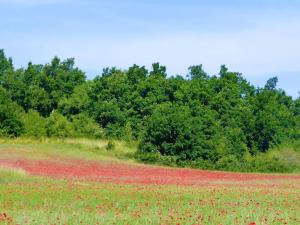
79,181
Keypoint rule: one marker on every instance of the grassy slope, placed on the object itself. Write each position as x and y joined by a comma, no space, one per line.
35,200
73,148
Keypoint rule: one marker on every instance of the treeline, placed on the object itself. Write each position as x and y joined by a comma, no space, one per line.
196,120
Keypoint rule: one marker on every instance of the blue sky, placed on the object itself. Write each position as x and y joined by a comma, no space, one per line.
259,38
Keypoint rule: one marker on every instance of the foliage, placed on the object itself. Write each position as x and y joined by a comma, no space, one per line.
173,131
110,146
10,123
34,124
58,126
200,121
84,126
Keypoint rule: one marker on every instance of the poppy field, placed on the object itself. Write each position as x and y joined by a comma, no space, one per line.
83,183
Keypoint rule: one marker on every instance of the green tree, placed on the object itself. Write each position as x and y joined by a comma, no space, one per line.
173,131
10,124
5,63
77,102
271,83
197,72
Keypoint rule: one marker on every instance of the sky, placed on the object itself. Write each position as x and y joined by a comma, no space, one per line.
260,39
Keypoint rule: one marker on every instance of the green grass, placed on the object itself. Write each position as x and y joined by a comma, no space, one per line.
45,201
25,199
86,149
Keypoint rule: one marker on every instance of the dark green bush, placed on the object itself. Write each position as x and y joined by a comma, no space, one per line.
110,146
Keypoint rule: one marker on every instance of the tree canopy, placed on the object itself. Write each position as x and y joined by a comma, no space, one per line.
194,117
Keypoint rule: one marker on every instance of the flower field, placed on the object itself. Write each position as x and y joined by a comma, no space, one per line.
74,184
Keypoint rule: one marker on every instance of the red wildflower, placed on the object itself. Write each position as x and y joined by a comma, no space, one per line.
126,173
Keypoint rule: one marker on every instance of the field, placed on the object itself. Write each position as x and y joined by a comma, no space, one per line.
82,182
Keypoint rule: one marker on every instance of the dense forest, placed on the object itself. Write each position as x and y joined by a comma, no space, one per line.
199,120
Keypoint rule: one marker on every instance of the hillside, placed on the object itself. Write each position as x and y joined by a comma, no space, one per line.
83,182
219,122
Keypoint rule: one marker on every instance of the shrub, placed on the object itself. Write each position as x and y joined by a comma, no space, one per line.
228,163
110,146
58,126
34,124
268,163
156,158
118,132
84,126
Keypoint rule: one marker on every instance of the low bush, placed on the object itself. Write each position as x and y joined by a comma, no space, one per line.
275,161
34,124
84,126
156,158
58,126
110,146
